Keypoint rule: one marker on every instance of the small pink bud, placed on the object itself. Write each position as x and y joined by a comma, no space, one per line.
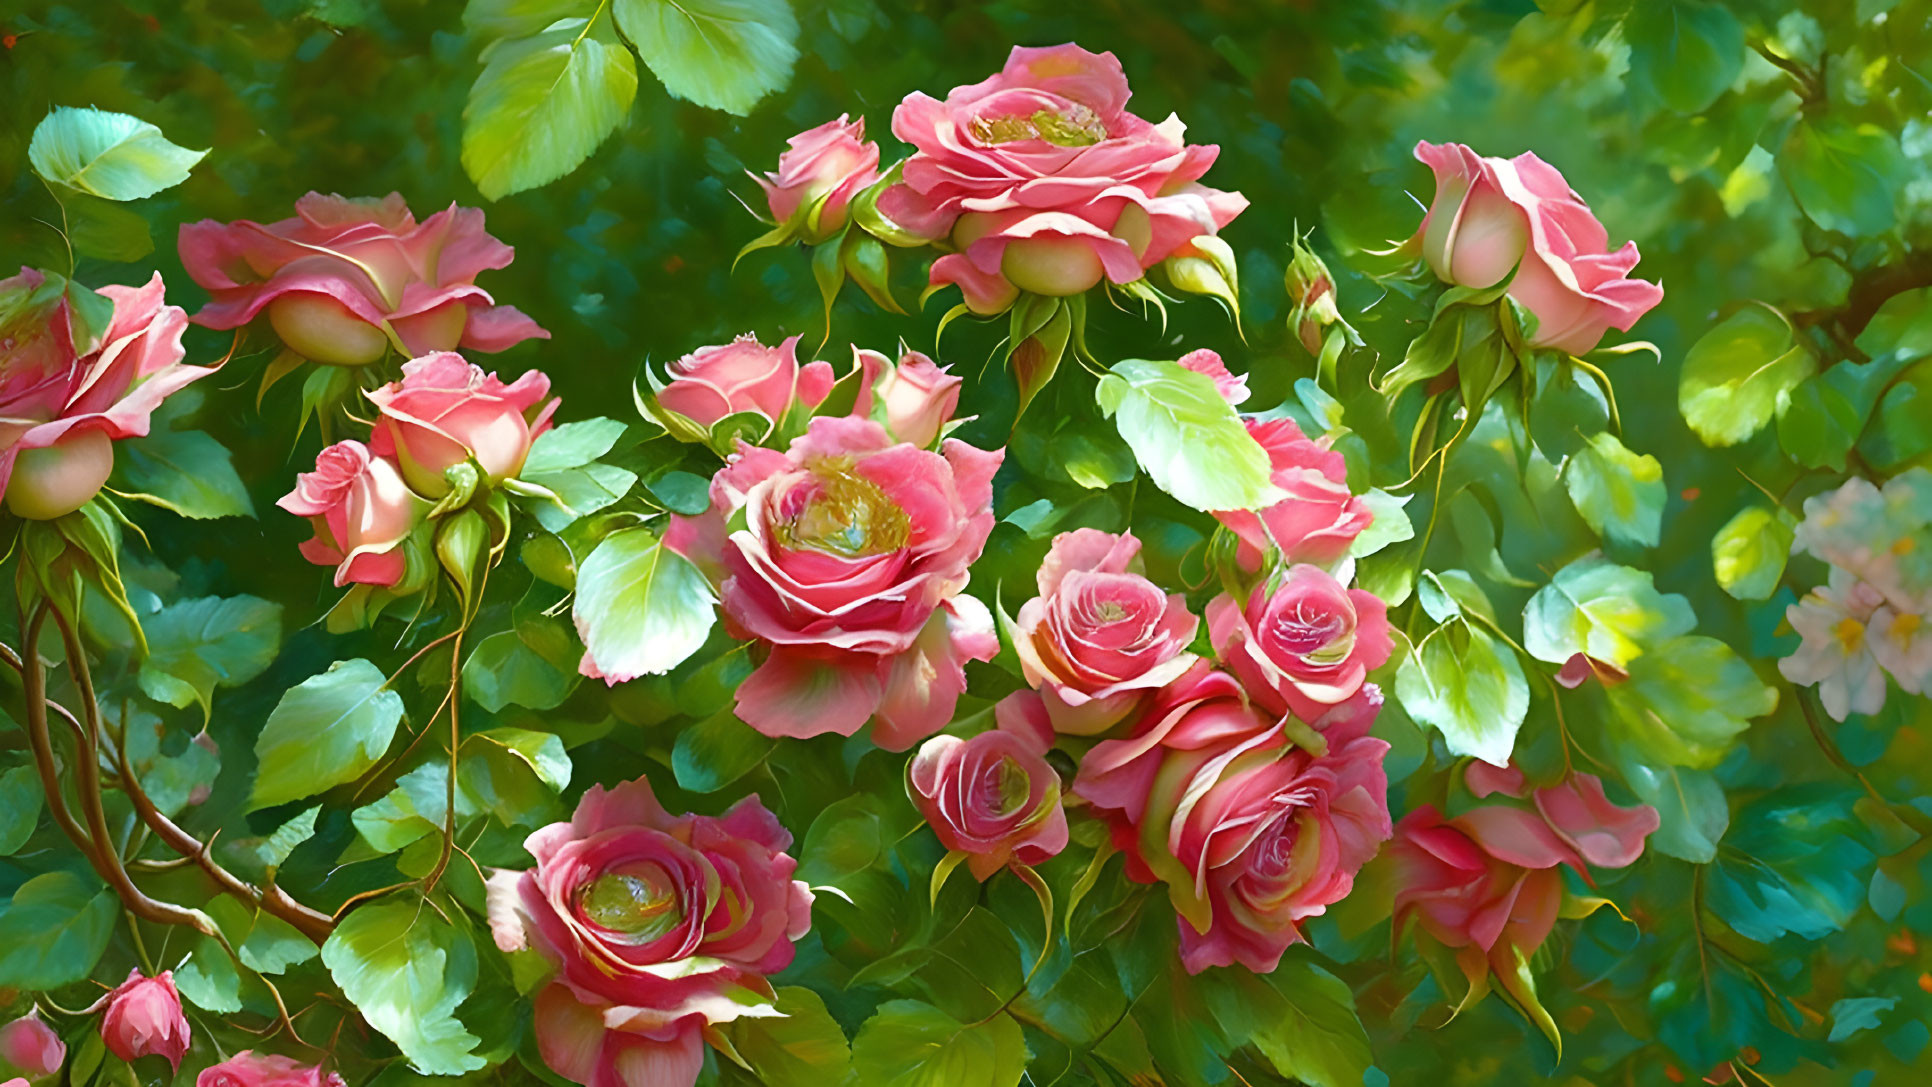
143,1018
30,1046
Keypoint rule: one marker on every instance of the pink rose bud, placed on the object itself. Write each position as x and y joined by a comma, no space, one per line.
1492,215
446,411
29,1046
61,408
361,510
339,273
826,167
143,1019
918,396
1100,638
250,1069
1311,291
993,797
1318,519
743,376
1304,646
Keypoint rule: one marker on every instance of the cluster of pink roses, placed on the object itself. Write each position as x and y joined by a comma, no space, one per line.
1037,179
658,927
142,1017
365,500
1487,883
69,392
1494,218
1870,619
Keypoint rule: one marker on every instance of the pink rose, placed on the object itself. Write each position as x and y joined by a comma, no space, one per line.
1046,183
1304,647
992,797
1319,518
446,411
362,511
346,280
850,573
1491,215
143,1019
29,1046
1486,883
915,398
743,376
1251,833
1232,387
659,927
826,167
1100,639
63,404
250,1069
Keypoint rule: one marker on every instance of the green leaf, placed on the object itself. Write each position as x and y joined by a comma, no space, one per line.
185,471
1901,327
328,730
517,18
1445,593
1750,551
415,807
1691,810
54,930
106,230
274,850
406,971
641,608
804,1048
1619,493
1825,415
1186,436
1856,1013
109,155
1391,524
1302,1018
1737,375
1687,699
1473,693
208,979
1610,612
543,104
169,780
717,751
1845,177
197,645
1687,53
503,671
1795,865
512,773
913,1044
720,54
572,445
20,801
582,490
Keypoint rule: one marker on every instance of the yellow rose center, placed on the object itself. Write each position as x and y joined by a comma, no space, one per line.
637,902
1075,126
848,516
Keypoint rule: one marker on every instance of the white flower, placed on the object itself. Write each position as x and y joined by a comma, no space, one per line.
1902,643
1836,652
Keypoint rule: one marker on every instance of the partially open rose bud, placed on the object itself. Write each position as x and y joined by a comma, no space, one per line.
816,180
992,797
143,1019
30,1047
446,411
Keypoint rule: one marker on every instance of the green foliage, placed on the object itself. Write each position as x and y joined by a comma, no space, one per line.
406,975
641,608
54,929
1619,493
910,1044
1741,372
197,645
1608,612
109,155
1185,436
544,103
329,729
724,54
1465,684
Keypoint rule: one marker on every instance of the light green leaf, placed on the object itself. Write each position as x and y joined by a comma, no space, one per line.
20,801
514,774
208,979
1691,810
572,445
274,850
1901,327
1846,178
54,930
406,971
1302,1018
110,155
1686,52
414,808
1446,593
328,730
1609,612
1687,700
516,18
1186,436
913,1044
721,54
197,645
1473,693
543,104
1750,551
185,471
1619,493
802,1047
1391,524
105,229
1737,375
503,671
641,608
582,490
